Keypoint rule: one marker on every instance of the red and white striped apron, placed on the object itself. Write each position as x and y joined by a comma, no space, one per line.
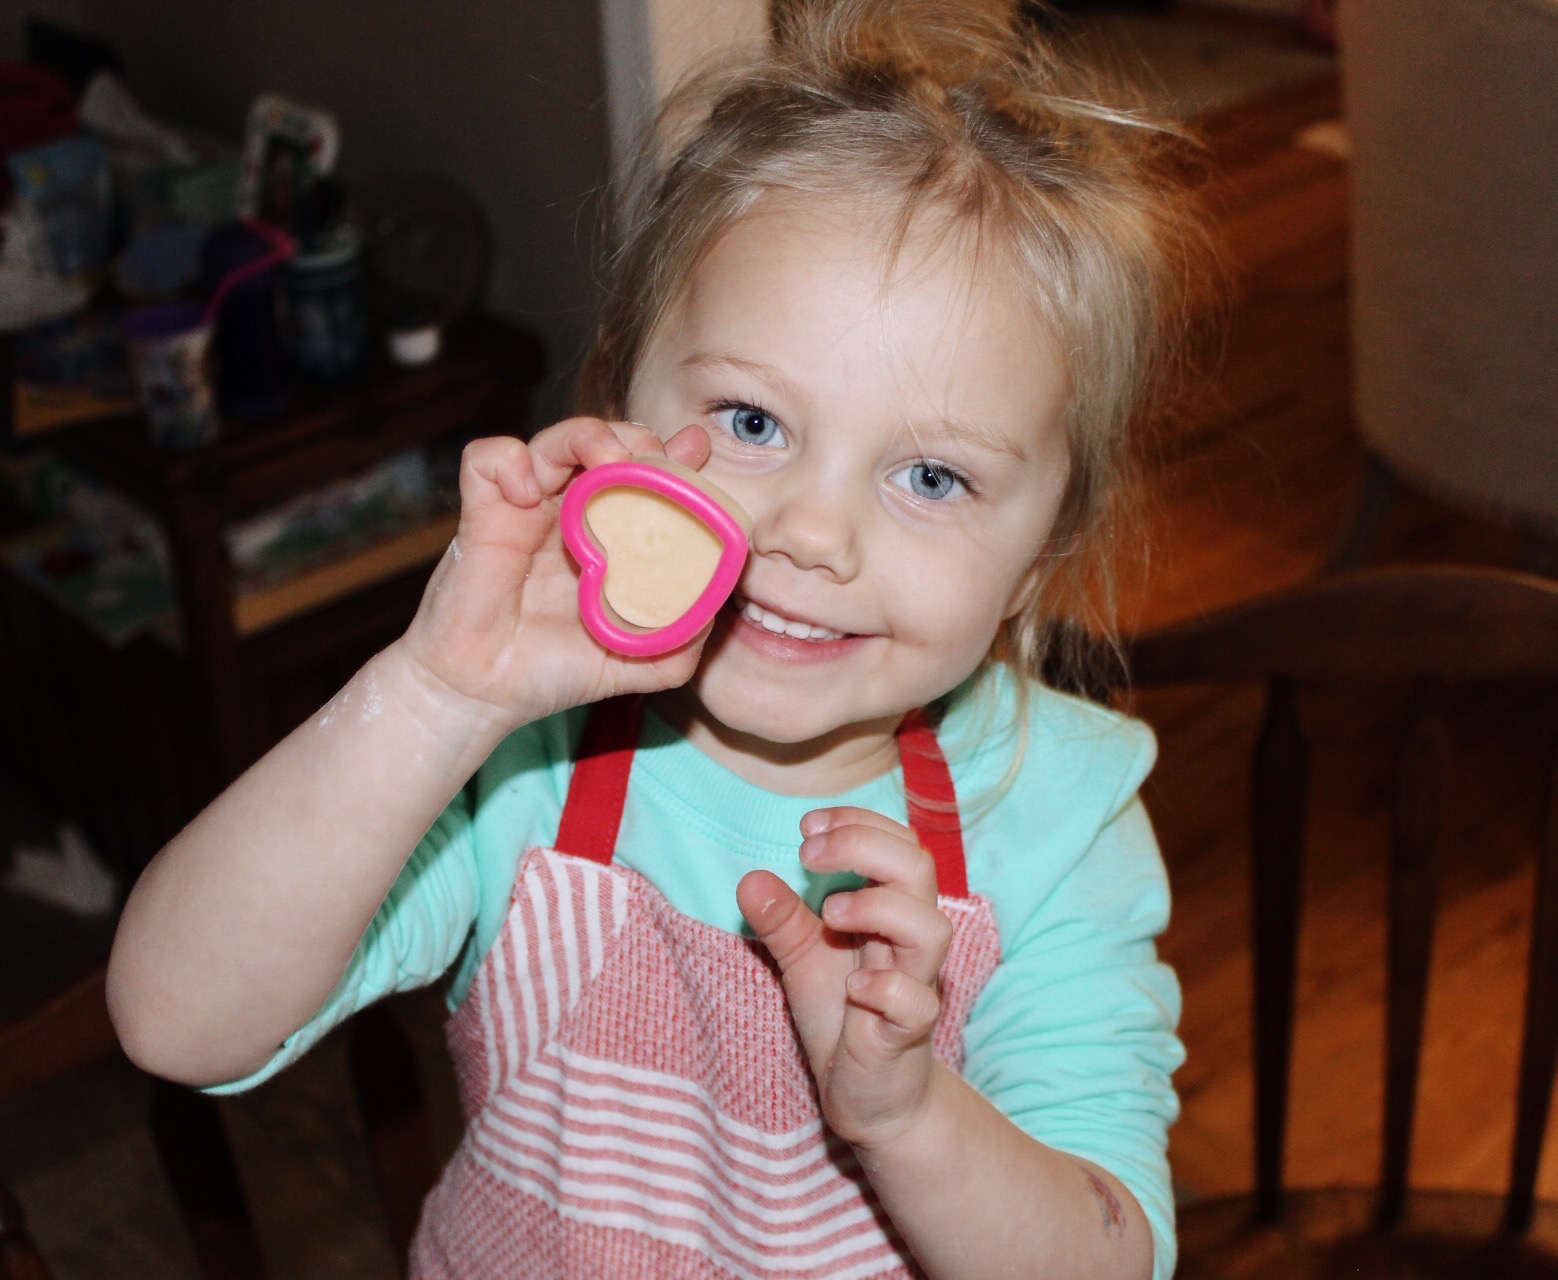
637,1101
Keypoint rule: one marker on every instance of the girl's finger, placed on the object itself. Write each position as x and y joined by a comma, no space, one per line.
842,815
574,443
689,446
886,854
497,467
917,932
639,439
782,922
909,1008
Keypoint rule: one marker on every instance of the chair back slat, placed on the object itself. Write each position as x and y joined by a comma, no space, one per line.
1420,773
1378,623
1539,1044
1429,626
1278,793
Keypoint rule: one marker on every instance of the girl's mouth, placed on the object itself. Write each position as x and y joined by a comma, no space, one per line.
777,624
789,640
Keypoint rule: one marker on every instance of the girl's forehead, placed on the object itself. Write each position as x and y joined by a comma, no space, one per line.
791,254
872,239
808,306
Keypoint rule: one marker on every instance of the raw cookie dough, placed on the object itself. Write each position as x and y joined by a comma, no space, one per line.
659,556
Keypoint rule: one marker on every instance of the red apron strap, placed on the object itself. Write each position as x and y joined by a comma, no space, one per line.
933,803
592,812
599,786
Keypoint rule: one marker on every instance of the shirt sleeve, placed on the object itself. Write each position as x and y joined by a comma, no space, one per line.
415,936
1073,1037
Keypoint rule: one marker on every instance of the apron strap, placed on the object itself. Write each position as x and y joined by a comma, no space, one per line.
592,813
933,803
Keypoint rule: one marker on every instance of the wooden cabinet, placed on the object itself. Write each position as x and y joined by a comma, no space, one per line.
132,741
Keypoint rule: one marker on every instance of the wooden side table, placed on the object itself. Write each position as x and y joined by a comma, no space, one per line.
257,665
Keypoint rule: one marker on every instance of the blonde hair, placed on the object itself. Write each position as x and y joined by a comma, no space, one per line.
963,111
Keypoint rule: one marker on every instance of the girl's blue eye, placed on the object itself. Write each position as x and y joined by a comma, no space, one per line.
932,480
749,424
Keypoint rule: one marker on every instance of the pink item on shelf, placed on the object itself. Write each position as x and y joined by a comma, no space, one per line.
659,549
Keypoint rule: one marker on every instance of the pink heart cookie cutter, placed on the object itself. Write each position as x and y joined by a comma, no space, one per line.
681,486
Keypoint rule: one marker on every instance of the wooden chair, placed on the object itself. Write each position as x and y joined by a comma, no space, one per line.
67,1030
70,1029
1429,626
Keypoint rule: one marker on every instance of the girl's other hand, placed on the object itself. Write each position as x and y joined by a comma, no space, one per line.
861,979
498,627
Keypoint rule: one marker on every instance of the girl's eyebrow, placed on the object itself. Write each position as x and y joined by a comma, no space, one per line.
775,378
980,437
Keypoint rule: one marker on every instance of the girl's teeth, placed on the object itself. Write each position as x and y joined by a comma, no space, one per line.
784,626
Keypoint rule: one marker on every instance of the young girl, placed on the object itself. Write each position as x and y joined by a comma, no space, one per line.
822,947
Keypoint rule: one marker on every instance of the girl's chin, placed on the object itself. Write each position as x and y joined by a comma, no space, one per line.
782,732
736,720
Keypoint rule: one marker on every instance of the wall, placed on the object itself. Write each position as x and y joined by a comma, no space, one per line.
651,44
503,96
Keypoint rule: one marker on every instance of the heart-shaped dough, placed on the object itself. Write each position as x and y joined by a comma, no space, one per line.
659,549
659,556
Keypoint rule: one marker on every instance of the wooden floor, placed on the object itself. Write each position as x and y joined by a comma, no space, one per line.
1245,499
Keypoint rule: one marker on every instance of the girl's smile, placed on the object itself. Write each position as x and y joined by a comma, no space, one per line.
895,429
788,639
777,624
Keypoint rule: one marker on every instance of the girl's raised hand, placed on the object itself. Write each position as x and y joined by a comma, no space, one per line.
861,979
498,626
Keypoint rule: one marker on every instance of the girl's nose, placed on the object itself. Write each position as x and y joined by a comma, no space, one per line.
812,526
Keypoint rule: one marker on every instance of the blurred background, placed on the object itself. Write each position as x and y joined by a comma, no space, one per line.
266,267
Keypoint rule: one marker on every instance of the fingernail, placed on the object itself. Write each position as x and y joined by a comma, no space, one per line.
813,822
856,980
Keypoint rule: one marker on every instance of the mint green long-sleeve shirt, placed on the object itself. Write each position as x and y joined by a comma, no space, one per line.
1073,1037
